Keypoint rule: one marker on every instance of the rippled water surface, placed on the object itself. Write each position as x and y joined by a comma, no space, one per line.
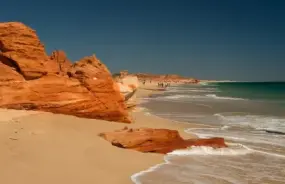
251,120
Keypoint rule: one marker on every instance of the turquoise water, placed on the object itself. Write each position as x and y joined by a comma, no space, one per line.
249,115
271,91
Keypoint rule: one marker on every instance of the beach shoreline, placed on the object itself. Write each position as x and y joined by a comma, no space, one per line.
253,130
54,148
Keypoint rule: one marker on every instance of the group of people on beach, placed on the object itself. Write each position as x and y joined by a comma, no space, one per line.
162,84
159,84
144,81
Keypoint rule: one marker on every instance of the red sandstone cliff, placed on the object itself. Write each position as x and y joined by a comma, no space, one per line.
32,80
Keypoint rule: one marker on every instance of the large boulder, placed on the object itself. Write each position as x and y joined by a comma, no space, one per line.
31,80
156,140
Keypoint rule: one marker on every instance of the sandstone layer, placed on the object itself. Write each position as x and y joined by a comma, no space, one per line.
156,140
32,80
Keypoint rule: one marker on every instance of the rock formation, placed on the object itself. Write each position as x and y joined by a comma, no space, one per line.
128,85
156,140
29,79
20,44
62,61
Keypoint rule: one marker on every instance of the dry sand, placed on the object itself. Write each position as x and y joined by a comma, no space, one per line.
45,148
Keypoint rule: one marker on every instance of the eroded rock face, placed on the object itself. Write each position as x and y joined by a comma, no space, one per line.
95,76
156,140
31,80
8,73
61,59
22,45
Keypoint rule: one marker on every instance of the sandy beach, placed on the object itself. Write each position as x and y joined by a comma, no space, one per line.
142,92
38,147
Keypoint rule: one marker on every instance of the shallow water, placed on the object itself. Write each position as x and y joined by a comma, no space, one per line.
254,127
204,169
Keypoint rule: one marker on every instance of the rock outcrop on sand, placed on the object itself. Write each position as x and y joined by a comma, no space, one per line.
32,80
156,140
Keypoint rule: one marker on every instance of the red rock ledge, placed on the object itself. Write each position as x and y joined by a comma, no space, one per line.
32,80
156,140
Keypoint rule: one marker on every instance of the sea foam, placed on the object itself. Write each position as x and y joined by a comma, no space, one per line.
189,97
223,98
257,122
233,149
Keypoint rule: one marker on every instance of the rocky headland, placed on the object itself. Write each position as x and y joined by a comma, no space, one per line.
32,80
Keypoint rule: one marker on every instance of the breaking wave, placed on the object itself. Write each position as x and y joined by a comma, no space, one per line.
233,149
223,98
182,97
257,122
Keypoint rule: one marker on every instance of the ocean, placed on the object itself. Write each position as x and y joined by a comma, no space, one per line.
249,115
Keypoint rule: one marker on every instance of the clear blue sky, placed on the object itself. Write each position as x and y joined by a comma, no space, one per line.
208,39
